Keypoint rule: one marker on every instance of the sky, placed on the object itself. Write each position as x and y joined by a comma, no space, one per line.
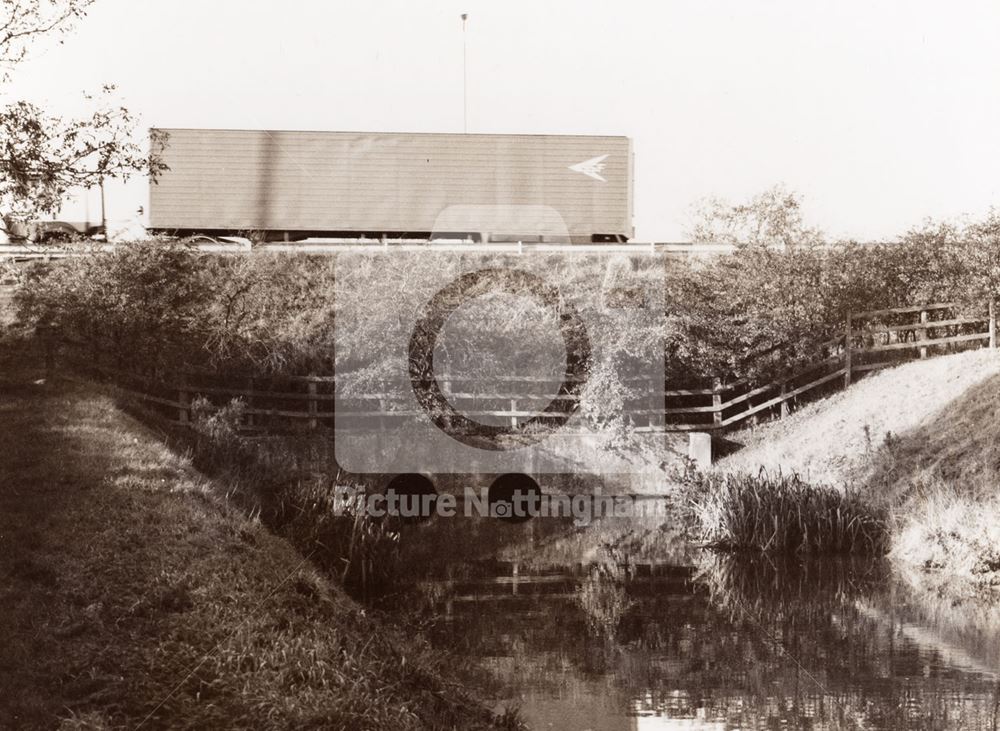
880,114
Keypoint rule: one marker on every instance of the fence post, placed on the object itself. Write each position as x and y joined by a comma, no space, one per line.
923,334
716,402
184,398
847,352
513,407
784,402
312,405
993,323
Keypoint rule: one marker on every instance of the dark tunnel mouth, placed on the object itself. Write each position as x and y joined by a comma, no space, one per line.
502,493
417,496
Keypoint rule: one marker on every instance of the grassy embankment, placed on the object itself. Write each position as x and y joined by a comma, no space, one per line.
918,442
134,595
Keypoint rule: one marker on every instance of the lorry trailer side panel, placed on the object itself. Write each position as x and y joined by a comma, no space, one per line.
358,182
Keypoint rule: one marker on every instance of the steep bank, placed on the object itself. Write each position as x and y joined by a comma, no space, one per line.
836,438
919,439
132,595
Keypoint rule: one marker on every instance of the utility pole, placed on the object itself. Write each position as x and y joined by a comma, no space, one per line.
465,79
104,216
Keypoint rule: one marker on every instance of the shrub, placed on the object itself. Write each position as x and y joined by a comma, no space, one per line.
163,305
762,313
139,306
783,514
759,313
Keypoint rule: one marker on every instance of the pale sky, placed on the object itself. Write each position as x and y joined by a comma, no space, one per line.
879,113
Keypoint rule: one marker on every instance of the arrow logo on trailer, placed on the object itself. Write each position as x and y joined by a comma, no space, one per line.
592,167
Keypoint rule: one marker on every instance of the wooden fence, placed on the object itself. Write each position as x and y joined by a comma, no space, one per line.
870,341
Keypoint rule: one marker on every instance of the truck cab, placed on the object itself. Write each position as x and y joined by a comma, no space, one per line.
80,215
40,231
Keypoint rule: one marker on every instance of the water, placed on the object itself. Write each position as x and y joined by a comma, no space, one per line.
623,625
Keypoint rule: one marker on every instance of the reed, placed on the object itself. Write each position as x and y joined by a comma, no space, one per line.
782,514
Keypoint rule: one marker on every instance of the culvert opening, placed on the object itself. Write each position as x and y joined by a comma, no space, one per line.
410,497
514,498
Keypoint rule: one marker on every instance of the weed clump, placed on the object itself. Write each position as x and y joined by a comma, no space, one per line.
783,514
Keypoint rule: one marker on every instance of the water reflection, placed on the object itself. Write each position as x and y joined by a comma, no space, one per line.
624,626
603,597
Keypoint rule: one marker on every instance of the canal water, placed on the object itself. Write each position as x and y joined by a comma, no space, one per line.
624,625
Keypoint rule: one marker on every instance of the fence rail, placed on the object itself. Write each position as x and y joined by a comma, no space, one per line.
870,341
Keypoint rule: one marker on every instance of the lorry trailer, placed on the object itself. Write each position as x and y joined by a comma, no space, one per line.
290,186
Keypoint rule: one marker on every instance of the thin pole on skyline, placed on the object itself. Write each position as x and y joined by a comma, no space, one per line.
465,79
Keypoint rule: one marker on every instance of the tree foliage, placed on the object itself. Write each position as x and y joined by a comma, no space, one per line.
22,22
762,312
44,156
767,308
771,218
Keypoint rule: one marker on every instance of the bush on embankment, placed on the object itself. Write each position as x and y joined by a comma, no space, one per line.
762,313
951,532
782,514
757,313
161,306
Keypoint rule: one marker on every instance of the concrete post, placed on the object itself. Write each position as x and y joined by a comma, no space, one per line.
700,449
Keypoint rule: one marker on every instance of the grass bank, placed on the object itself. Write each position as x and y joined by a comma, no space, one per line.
917,442
943,477
833,440
286,482
133,595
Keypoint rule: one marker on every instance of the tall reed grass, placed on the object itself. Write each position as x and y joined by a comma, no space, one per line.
782,514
